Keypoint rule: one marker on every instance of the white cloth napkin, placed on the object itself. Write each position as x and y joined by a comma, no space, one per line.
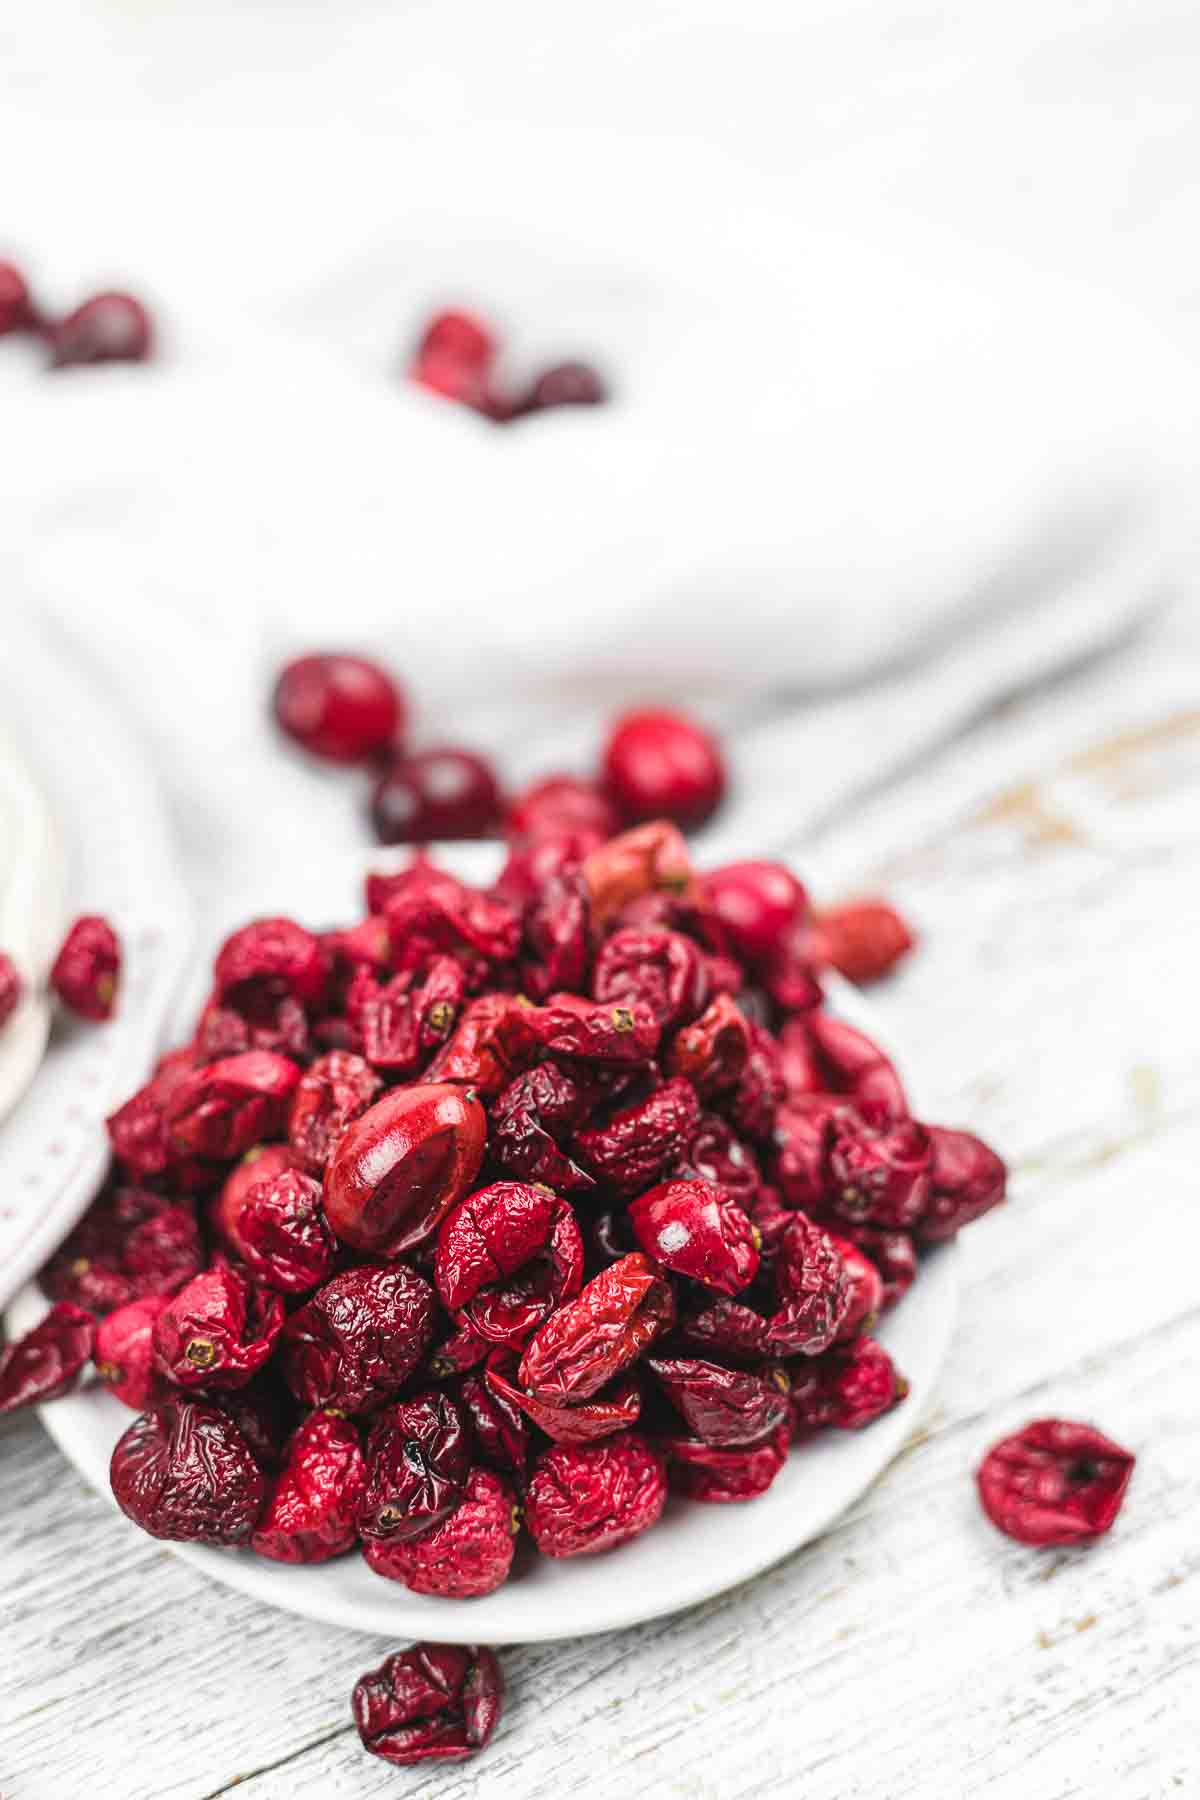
886,488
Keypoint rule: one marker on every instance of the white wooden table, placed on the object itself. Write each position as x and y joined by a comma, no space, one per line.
1052,858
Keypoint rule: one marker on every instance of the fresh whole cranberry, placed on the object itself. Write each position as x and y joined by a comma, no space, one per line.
183,1471
560,805
758,903
125,1360
401,1165
663,765
443,793
311,1507
465,1555
17,310
1054,1482
11,986
110,327
583,1498
433,1703
87,968
566,384
454,358
339,707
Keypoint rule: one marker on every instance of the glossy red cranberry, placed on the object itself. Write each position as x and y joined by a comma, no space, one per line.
443,793
47,1362
310,1511
183,1471
583,1498
339,707
110,327
562,804
566,384
401,1165
592,1338
719,1474
433,1703
866,1290
614,1408
17,310
11,986
467,1554
663,765
864,940
966,1179
125,1360
454,358
218,1331
87,968
1054,1482
697,1229
758,903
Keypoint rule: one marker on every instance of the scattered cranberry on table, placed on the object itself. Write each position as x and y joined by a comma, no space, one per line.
1054,1482
456,357
17,309
343,708
863,940
110,327
433,1703
87,969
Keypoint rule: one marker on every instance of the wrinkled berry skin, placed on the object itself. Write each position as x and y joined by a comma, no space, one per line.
863,940
17,310
663,968
501,1434
183,1471
418,1457
11,985
359,1338
310,1511
847,1388
218,1331
219,1111
719,1475
446,793
260,1164
813,1289
493,1043
528,1117
110,327
614,1408
401,1165
1054,1482
723,1406
129,1244
124,1353
758,903
695,1228
561,804
729,1329
638,1145
966,1179
587,1031
586,1498
341,708
274,950
433,1703
48,1361
713,1051
87,969
663,765
593,1337
467,1554
866,1290
838,1059
892,1253
649,859
878,1176
494,1232
282,1234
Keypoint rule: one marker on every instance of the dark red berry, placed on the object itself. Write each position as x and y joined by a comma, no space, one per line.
1054,1482
311,1507
465,1555
87,968
125,1359
583,1498
445,793
566,384
561,804
11,986
340,707
110,327
662,765
183,1471
48,1361
17,311
401,1165
433,1703
864,940
758,903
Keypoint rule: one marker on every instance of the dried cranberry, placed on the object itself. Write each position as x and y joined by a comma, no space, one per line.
404,1022
428,911
494,1042
587,1030
339,707
128,1245
695,1228
1054,1482
11,985
87,968
892,1253
848,1387
547,1100
724,1406
663,968
592,1338
566,384
716,1155
265,1413
717,1475
124,1353
310,1511
330,1095
583,1498
435,1702
260,1164
561,804
463,1349
866,1290
803,1134
813,1291
713,1051
758,903
454,358
637,1145
110,327
48,1361
465,1555
649,859
359,1337
17,310
663,765
966,1179
615,1408
863,940
789,975
217,1331
276,950
218,1111
401,1165
501,1434
261,1016
283,1236
183,1471
492,1233
846,1061
443,793
754,1104
138,1130
728,1328
558,931
418,1458
878,1175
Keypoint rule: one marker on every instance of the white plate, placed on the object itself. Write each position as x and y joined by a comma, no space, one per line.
695,1552
94,829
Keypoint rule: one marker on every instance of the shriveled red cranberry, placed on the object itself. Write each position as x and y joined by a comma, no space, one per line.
17,310
138,1130
183,1471
403,1022
11,985
966,1179
717,1474
592,1032
528,1117
649,859
846,1388
418,1458
110,327
125,1360
261,1015
454,358
758,903
866,1290
728,1328
263,1162
695,1228
218,1331
664,765
843,1060
864,940
339,707
432,914
559,937
265,1413
359,1338
638,1144
87,968
720,1405
500,1431
713,1051
313,1501
463,1349
433,1703
878,1175
220,1110
129,1244
275,950
614,1408
592,1338
1054,1482
494,1042
566,384
401,1165
283,1235
48,1361
561,804
493,1233
716,1155
804,1128
892,1253
584,1498
442,793
662,968
754,1104
813,1291
536,860
465,1555
330,1095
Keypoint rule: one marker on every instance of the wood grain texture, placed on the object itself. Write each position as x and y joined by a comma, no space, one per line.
1051,859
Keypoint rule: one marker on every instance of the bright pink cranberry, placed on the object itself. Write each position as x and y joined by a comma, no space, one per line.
566,384
340,707
560,804
109,327
758,903
662,765
10,981
17,311
454,359
436,794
